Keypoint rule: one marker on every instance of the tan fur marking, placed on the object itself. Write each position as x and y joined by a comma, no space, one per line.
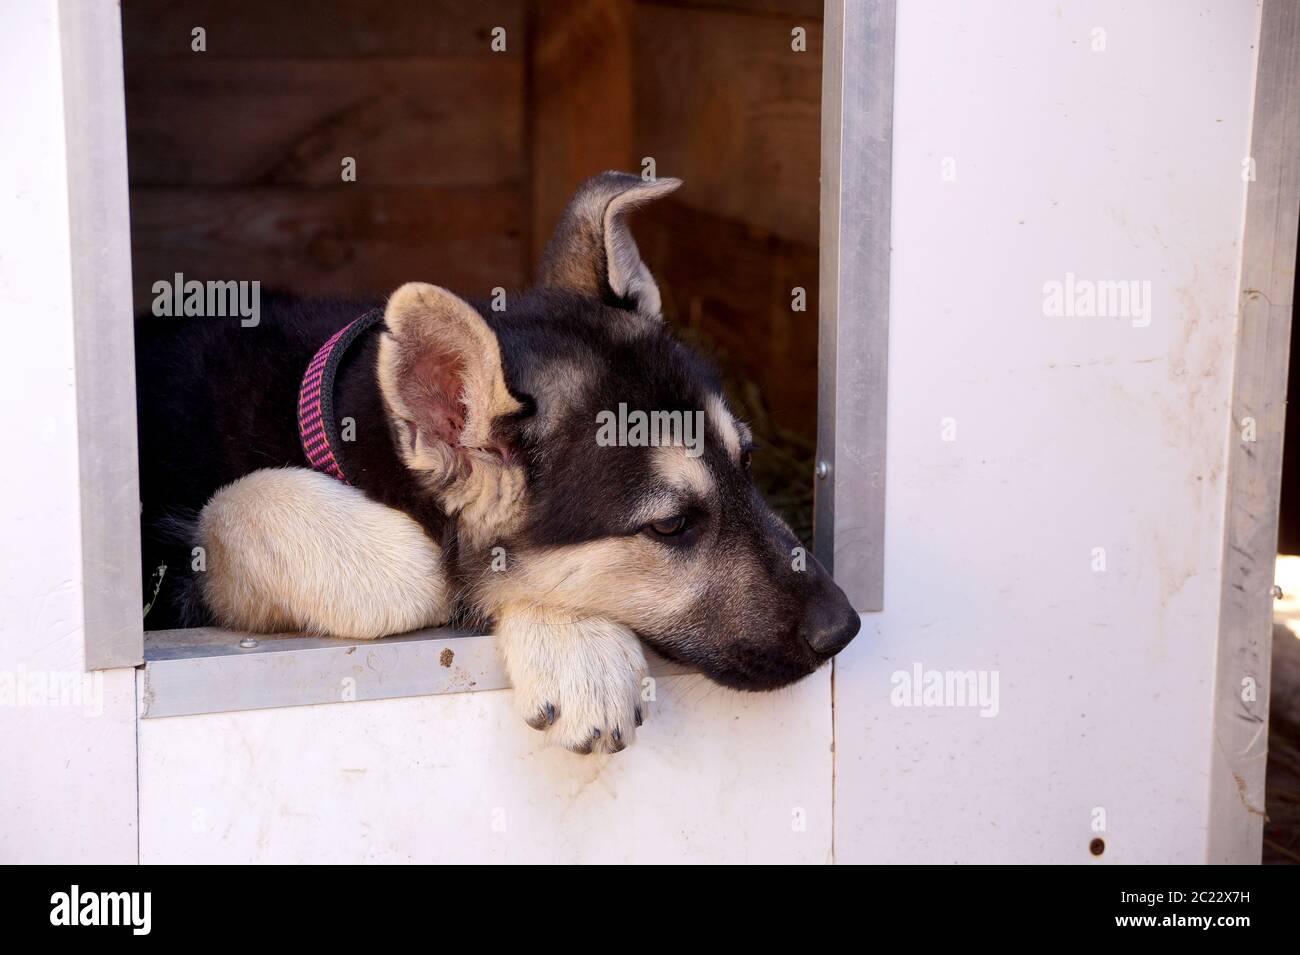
725,425
683,472
631,579
569,379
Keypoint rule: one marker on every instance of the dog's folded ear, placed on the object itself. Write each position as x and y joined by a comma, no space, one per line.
592,252
441,376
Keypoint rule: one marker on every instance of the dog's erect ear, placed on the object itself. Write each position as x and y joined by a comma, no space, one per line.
592,251
441,376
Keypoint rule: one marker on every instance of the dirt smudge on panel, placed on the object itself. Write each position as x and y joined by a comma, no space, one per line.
1241,794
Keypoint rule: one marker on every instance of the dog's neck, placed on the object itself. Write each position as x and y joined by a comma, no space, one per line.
318,425
366,450
367,454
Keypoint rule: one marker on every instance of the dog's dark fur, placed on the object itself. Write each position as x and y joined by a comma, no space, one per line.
217,402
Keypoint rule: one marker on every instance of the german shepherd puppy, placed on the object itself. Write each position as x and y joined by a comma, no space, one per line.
487,489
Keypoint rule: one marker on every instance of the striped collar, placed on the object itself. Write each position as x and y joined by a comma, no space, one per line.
318,430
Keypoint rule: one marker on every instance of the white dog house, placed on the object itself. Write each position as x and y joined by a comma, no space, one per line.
1074,226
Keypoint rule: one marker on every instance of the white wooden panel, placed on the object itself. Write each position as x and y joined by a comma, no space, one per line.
67,764
713,776
99,217
1255,465
1070,433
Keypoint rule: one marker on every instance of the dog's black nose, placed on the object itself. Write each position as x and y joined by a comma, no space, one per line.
830,623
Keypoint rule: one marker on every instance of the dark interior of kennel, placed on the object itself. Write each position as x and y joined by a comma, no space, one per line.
1282,787
465,157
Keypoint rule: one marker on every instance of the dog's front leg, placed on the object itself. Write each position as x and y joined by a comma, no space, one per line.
578,679
293,549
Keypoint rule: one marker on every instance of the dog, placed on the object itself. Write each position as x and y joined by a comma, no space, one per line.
461,462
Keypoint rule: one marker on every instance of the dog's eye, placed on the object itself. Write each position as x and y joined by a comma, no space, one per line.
670,527
747,458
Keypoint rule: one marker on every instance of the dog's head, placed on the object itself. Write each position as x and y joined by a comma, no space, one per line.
593,464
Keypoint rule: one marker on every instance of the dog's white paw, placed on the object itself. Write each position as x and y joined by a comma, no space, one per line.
578,681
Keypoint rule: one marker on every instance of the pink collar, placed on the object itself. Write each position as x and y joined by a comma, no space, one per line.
317,428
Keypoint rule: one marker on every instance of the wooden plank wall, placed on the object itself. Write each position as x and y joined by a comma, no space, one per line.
235,153
465,157
713,92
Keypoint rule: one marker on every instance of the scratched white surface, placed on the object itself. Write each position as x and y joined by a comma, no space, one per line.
713,776
1071,434
67,771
